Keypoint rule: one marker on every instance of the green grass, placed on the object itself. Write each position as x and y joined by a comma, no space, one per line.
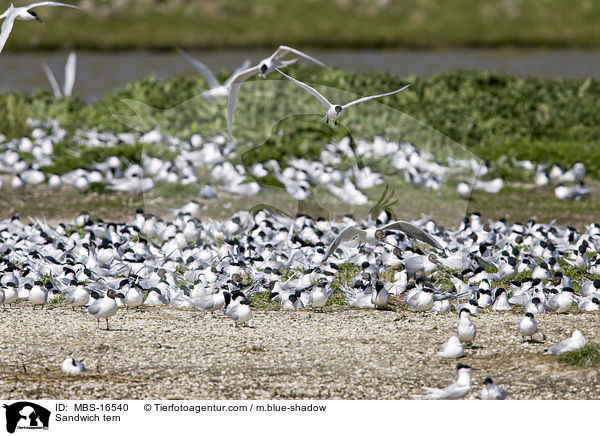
499,118
320,23
588,357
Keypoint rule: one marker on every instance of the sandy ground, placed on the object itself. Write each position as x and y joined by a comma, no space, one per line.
166,353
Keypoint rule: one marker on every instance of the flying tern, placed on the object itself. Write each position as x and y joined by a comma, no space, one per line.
217,90
282,57
70,73
24,13
372,235
335,110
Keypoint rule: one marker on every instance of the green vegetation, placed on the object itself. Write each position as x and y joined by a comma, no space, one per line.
108,24
588,357
499,118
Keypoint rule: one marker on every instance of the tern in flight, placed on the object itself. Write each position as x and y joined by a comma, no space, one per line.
70,73
335,110
372,235
22,13
282,57
216,90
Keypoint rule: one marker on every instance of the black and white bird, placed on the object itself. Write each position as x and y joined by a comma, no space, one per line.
459,389
575,342
528,326
24,13
281,58
356,235
335,110
466,329
217,90
237,307
72,366
104,307
491,391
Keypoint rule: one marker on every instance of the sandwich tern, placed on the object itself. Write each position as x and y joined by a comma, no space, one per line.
452,349
466,329
217,90
460,388
24,13
335,110
575,342
69,80
237,307
72,366
528,326
281,58
491,391
372,235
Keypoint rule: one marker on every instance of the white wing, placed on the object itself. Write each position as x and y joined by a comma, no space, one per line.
284,52
314,92
347,234
414,232
5,13
52,80
243,67
203,69
371,97
70,72
7,26
35,5
236,84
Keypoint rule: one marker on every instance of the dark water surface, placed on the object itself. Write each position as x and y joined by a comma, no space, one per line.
99,72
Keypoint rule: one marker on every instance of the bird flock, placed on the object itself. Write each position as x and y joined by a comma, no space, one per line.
298,262
221,266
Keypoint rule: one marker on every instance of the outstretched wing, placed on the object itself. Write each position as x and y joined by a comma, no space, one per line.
371,97
414,232
313,91
347,234
52,80
243,67
7,26
70,72
236,84
285,52
203,69
35,5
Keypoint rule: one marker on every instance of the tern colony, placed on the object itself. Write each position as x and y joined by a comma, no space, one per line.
296,262
104,266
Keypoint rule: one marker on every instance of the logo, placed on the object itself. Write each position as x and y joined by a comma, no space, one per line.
26,415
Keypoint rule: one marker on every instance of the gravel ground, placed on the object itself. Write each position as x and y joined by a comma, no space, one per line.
166,353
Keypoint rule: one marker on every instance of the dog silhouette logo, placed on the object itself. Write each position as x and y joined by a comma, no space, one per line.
26,415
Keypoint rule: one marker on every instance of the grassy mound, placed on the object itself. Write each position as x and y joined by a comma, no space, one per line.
588,357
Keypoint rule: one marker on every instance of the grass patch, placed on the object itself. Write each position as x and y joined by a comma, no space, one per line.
355,23
588,357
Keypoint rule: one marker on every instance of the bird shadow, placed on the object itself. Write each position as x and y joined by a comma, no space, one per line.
534,341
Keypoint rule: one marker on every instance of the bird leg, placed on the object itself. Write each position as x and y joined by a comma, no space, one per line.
107,328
